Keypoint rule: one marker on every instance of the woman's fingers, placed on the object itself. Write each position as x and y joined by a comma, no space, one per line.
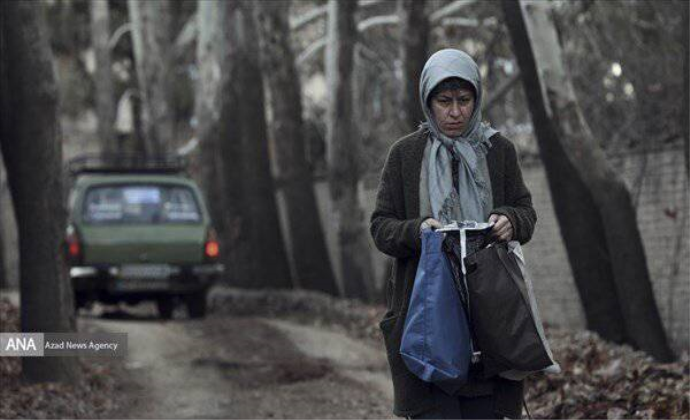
506,235
434,223
502,230
503,235
501,224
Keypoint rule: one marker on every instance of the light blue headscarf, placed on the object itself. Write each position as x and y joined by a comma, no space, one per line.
473,201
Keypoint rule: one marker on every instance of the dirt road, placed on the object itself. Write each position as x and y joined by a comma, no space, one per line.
226,367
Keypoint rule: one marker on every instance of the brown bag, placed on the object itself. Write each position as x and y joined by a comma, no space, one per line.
500,313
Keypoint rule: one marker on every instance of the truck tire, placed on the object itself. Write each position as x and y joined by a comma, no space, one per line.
79,302
165,307
196,304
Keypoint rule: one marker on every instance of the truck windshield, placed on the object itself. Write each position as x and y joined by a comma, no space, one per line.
140,204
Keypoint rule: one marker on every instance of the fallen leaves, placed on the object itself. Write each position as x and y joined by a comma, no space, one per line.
604,380
92,397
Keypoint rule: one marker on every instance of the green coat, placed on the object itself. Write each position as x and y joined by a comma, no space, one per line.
395,227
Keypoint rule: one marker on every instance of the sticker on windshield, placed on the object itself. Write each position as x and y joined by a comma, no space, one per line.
141,195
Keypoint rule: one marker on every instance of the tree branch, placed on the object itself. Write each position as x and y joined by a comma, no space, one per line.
377,21
501,91
312,49
320,12
310,16
187,34
469,22
449,9
115,38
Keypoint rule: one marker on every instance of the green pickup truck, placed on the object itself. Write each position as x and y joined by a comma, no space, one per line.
139,230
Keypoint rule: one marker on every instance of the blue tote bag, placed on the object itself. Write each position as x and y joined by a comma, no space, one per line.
436,338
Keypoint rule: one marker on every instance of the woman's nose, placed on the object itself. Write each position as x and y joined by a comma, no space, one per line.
455,109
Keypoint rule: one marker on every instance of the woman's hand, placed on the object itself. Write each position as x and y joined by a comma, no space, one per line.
430,223
502,230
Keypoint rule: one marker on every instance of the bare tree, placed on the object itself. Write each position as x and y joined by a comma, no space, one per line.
235,169
258,230
32,151
603,241
686,84
309,252
344,151
152,39
103,78
3,271
215,106
414,40
6,207
4,282
579,224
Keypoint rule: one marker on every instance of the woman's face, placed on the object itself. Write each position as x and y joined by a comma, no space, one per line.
452,110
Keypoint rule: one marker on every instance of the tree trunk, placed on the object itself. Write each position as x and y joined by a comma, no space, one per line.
7,244
686,105
103,78
214,60
577,215
414,40
309,251
3,269
565,139
29,137
4,283
220,131
152,41
137,141
261,260
344,151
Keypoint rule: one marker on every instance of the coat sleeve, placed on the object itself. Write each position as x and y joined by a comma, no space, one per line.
518,208
393,234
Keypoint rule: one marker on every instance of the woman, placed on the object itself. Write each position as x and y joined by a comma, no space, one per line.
454,167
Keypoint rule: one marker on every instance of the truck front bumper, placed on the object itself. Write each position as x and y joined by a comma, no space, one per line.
144,278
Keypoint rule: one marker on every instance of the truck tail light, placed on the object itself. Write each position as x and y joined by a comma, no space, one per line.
211,246
73,246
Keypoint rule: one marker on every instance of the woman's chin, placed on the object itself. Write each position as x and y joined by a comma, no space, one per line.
452,132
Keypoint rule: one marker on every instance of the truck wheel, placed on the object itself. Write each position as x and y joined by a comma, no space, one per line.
196,304
79,301
165,307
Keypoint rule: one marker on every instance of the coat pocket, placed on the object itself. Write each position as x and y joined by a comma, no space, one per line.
387,326
411,394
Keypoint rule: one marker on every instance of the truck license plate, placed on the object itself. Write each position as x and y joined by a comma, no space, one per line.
145,271
140,285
